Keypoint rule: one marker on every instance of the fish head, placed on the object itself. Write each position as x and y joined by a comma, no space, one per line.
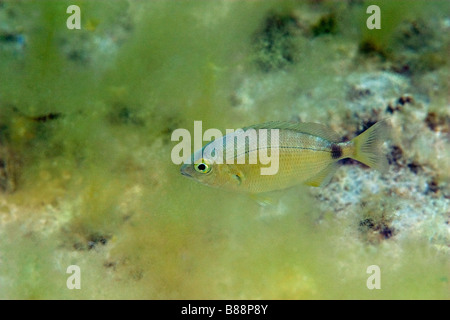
201,169
207,170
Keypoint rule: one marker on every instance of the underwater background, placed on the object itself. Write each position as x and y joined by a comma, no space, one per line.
86,177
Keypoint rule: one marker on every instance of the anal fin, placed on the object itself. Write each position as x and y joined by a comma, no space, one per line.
263,200
323,177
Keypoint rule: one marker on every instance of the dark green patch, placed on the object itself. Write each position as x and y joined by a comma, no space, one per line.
326,25
110,264
170,124
8,167
418,63
275,42
417,48
10,37
366,223
371,48
46,117
414,35
122,114
430,61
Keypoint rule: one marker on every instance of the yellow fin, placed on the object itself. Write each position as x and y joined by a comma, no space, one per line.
314,129
263,200
368,146
323,177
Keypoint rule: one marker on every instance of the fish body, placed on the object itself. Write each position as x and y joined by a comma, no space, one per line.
307,153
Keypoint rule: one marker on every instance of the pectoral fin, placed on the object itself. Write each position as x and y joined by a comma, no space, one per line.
237,174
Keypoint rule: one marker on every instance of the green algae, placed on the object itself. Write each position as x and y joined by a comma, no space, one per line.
96,186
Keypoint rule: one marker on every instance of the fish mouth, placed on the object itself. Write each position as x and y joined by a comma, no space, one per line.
185,174
183,171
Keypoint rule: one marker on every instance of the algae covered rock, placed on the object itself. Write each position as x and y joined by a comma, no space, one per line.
87,180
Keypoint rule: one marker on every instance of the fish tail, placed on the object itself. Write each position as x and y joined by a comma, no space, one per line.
367,146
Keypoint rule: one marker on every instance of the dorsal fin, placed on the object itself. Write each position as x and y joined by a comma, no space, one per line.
315,129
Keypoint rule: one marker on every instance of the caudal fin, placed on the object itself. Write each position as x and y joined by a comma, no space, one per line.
368,146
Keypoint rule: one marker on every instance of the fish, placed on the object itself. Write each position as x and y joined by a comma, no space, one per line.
307,153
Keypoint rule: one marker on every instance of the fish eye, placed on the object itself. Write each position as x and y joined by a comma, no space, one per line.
202,167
